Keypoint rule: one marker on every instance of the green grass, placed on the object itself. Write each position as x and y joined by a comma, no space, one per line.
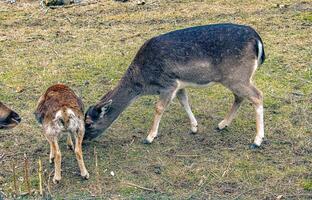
90,47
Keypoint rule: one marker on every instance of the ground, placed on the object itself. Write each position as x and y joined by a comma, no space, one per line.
89,48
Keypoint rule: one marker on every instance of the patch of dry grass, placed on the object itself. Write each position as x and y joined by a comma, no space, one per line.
90,47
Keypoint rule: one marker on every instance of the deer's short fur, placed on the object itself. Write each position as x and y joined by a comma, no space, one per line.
8,118
165,65
60,110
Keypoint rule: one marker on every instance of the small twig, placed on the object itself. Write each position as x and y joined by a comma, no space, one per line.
131,142
96,159
55,52
97,171
14,177
2,156
27,181
40,176
48,185
138,186
70,21
226,170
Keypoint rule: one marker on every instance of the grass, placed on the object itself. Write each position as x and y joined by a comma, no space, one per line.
90,47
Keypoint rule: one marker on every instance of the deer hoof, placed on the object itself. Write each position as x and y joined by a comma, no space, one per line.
254,146
221,129
193,130
222,125
146,141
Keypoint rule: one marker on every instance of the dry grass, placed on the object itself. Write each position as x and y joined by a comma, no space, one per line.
89,48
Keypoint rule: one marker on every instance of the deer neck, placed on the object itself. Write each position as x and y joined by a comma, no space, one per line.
122,96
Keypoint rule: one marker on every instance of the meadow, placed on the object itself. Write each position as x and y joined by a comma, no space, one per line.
89,48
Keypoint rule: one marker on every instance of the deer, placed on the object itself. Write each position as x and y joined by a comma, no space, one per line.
8,118
165,65
59,110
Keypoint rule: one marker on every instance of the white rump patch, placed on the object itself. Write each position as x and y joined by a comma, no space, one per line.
58,115
260,51
74,121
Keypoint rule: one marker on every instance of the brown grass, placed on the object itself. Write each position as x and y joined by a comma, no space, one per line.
89,48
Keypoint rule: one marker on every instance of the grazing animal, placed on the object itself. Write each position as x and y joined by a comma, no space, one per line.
165,65
8,118
60,110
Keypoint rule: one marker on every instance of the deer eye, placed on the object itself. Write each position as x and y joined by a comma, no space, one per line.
89,121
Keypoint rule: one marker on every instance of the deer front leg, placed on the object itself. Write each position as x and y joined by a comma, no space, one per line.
161,105
183,99
78,150
232,113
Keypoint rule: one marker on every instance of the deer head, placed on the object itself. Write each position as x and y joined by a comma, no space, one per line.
8,118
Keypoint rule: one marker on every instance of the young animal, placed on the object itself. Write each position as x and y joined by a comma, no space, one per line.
8,118
165,65
60,110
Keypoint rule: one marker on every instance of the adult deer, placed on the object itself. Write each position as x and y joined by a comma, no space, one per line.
227,54
8,118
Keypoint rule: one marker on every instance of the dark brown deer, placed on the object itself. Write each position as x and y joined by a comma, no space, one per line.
60,110
8,118
165,65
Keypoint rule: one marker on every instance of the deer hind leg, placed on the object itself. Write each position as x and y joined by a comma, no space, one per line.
163,102
78,151
255,96
232,112
52,149
57,161
183,99
257,101
69,142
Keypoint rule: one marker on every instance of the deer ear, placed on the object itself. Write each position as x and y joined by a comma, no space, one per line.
105,107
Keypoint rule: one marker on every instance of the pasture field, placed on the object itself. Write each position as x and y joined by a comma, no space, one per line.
89,48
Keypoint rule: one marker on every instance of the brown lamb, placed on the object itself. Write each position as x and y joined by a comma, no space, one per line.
60,110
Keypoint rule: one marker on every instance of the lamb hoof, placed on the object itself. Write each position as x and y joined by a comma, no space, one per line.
86,177
51,161
70,147
56,181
